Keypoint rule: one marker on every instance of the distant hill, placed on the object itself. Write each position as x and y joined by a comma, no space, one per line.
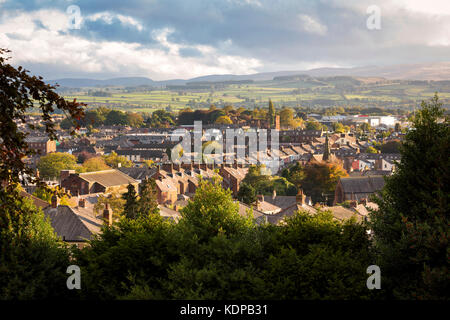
426,71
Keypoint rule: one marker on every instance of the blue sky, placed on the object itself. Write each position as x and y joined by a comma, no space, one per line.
168,39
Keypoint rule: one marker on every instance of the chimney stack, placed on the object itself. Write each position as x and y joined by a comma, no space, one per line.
54,200
300,197
107,215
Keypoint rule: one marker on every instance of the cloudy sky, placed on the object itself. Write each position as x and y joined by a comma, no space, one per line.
167,39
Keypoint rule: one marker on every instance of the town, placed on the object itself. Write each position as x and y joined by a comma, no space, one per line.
96,166
223,158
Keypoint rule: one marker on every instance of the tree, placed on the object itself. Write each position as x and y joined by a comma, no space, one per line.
340,128
130,197
116,117
19,93
287,118
147,203
392,146
371,149
321,179
95,164
134,119
271,113
313,125
246,194
223,120
115,202
50,165
113,160
33,260
212,211
411,225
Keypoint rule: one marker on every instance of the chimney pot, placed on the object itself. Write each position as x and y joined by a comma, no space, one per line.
107,215
54,201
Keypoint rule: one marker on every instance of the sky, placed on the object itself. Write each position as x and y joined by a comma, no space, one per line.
182,39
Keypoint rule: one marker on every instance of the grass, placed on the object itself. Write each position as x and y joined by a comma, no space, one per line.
257,94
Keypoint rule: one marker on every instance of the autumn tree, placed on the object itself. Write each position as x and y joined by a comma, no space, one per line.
320,180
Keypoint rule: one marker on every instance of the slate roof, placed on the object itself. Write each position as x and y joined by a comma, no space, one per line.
71,226
108,178
365,184
282,202
139,173
290,211
340,213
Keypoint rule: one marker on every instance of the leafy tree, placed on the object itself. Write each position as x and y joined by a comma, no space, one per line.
116,117
371,149
392,146
287,118
19,93
321,179
135,119
33,260
313,125
130,197
411,225
317,257
95,164
246,194
113,160
115,202
295,174
147,203
51,164
212,211
340,128
46,194
223,120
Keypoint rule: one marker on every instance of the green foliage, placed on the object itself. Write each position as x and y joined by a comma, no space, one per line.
317,180
371,149
51,164
95,164
147,203
130,197
411,225
223,120
246,194
392,146
313,125
19,94
113,160
33,260
214,253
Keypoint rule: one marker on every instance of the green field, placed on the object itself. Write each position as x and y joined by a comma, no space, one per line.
337,91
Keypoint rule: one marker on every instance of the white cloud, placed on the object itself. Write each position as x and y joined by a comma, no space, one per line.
109,16
31,44
311,25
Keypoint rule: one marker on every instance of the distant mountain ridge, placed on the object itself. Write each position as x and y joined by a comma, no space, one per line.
425,71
